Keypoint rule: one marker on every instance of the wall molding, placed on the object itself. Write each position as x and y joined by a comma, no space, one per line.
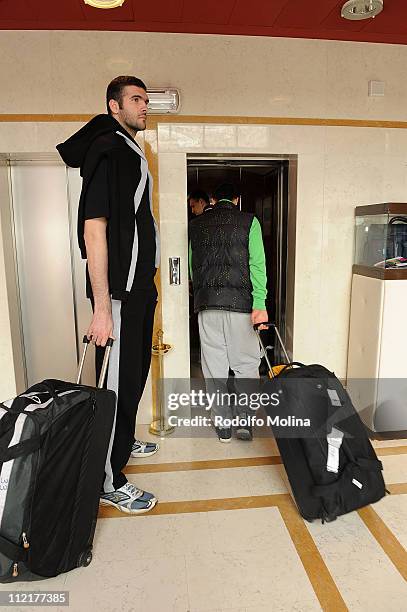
153,120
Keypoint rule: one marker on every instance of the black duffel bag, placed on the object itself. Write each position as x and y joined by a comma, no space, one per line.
54,439
331,465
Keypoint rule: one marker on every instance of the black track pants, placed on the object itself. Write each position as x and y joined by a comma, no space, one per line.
127,374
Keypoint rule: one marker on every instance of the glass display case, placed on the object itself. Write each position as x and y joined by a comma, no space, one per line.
381,240
377,370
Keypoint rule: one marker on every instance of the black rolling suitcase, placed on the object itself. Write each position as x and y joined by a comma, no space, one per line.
330,463
53,446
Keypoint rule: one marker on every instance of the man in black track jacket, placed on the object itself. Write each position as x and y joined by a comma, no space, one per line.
118,236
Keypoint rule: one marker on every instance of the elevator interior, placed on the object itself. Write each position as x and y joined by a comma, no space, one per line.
267,190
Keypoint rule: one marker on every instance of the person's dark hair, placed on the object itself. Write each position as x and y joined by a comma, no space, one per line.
226,191
115,89
198,194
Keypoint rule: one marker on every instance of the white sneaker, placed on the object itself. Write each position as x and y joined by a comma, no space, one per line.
129,499
143,449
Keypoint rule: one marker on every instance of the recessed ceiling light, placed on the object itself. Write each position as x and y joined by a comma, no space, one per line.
104,4
361,9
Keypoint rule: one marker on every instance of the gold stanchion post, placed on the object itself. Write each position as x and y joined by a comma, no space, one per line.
159,425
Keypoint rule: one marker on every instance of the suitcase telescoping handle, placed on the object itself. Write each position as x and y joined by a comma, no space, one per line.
105,363
263,348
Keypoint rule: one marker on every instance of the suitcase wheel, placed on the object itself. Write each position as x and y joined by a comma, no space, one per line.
85,558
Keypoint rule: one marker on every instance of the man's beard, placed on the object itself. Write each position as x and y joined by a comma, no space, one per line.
136,125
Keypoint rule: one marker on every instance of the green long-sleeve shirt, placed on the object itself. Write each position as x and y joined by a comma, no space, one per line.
257,265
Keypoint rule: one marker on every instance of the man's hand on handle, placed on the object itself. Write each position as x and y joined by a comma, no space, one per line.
101,327
259,316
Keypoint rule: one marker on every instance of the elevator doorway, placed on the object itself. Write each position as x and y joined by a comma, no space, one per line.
267,189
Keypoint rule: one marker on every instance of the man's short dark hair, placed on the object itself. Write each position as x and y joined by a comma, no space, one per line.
198,194
115,89
226,191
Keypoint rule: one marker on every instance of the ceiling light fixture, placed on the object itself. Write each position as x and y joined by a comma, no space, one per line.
104,4
361,9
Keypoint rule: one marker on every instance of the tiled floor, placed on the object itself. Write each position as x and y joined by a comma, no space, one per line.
256,557
365,576
393,510
196,449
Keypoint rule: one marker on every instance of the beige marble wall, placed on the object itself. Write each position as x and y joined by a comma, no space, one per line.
67,72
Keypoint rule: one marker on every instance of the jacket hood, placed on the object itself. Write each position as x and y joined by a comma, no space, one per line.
73,151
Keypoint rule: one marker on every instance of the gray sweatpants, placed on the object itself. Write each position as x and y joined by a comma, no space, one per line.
228,341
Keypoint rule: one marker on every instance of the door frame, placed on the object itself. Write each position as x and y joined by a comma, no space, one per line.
172,171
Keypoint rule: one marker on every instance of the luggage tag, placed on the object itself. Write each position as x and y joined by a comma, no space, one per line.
334,440
334,397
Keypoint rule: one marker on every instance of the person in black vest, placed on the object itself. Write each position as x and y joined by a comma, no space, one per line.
118,236
228,271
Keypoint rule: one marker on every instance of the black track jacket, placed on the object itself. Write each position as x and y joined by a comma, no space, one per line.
104,138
